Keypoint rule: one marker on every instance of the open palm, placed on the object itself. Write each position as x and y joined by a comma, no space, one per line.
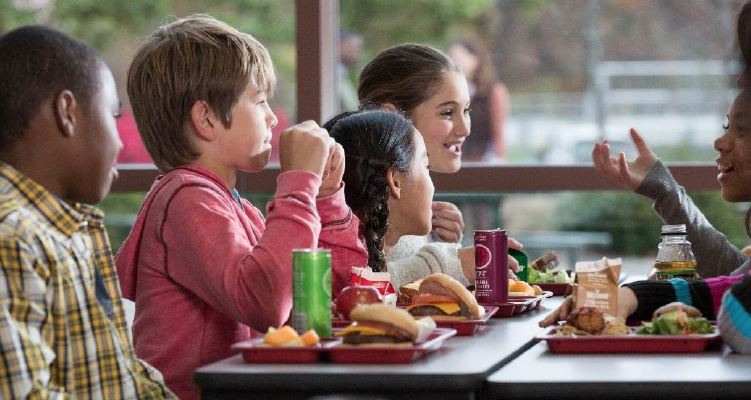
632,172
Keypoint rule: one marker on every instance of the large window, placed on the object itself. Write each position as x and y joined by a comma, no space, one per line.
116,29
578,71
574,71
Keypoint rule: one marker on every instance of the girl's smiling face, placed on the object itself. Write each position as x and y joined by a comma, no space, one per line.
444,122
734,148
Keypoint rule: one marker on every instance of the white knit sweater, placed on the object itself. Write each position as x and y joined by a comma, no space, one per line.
415,257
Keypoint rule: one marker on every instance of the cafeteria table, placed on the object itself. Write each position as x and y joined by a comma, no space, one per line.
540,374
456,371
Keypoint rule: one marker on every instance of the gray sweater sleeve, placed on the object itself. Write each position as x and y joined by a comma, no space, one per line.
715,255
431,258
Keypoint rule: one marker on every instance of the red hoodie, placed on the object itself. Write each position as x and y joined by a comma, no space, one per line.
205,271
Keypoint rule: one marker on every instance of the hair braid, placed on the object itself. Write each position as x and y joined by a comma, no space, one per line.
374,227
374,142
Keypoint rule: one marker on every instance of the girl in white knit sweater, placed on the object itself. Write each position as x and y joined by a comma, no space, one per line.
424,84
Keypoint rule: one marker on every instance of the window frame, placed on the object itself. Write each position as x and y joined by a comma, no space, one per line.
317,23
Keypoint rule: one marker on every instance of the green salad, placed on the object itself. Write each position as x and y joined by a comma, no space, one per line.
558,276
675,323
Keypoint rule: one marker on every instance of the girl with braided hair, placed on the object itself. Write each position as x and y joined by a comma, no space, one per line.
388,187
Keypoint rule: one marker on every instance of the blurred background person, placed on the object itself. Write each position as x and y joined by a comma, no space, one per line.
350,48
489,102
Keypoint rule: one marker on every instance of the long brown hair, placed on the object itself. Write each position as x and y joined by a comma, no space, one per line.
405,75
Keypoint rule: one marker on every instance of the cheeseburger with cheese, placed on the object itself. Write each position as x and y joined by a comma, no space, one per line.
379,324
443,298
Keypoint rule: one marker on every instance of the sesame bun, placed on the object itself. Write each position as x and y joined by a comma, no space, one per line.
408,291
444,285
386,314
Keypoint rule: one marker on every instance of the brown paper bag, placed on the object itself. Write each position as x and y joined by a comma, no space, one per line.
597,284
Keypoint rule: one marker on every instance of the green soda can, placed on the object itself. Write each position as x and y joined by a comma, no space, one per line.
311,291
521,258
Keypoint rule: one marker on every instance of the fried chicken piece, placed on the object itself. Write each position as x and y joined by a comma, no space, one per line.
588,319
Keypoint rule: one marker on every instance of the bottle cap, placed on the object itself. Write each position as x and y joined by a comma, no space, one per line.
673,230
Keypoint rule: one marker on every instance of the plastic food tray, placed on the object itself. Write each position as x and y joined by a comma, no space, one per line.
333,350
631,343
558,289
374,354
518,304
253,351
463,328
471,326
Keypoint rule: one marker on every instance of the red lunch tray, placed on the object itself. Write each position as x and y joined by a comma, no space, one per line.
518,304
375,354
558,289
253,351
463,328
470,326
632,343
333,350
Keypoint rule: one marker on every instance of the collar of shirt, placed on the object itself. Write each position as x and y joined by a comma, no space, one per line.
236,196
67,218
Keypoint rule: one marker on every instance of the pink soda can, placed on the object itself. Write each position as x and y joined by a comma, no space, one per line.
491,267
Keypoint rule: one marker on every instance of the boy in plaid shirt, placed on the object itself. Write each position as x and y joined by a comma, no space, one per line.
62,328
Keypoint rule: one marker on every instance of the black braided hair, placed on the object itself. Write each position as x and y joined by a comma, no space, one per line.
374,141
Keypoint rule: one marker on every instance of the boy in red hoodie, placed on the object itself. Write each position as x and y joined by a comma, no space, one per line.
203,266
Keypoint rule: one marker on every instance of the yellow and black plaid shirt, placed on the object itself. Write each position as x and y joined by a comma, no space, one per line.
63,332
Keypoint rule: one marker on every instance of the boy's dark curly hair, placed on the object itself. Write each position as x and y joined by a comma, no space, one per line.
374,141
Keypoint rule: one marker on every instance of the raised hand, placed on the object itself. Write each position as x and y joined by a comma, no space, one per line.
513,265
333,171
560,313
305,146
448,222
630,173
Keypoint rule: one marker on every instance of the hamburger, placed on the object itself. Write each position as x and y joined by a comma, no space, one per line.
443,298
408,291
379,324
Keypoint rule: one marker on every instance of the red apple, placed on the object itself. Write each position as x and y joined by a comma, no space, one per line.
351,296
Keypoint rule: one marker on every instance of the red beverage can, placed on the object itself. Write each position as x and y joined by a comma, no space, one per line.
491,267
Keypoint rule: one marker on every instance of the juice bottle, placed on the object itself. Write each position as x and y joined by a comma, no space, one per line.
675,259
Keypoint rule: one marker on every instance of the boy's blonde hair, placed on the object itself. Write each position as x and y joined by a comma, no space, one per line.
192,59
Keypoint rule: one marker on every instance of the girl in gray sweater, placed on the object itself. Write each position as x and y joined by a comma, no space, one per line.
725,294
